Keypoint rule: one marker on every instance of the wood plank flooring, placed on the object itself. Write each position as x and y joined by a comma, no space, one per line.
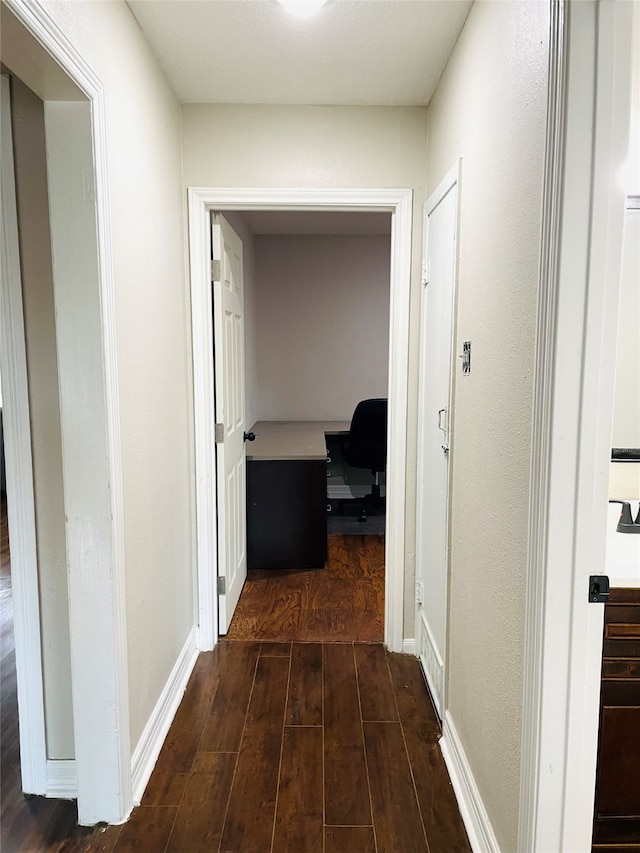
281,747
342,602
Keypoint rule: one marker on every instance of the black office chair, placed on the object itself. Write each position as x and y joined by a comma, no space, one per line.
366,447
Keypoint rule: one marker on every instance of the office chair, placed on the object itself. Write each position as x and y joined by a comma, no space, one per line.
366,447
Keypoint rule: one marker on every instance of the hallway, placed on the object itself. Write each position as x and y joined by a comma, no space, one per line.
281,747
300,747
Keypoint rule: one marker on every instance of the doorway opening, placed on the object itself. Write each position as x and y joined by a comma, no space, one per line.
71,101
311,292
397,203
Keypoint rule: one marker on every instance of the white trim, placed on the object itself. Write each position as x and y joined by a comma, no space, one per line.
62,779
104,793
201,201
19,480
474,814
541,430
573,404
446,184
148,748
432,664
409,647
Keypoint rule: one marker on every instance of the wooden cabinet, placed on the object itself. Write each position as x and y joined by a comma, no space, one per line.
287,494
286,514
617,801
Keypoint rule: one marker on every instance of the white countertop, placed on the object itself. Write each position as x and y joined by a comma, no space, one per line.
292,440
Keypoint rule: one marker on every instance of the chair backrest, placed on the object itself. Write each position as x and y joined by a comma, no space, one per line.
367,442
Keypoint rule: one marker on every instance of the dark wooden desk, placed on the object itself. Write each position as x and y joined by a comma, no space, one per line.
287,494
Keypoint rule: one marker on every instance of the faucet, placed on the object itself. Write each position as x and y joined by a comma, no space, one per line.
626,524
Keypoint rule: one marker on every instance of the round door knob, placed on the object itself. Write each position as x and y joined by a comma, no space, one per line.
249,436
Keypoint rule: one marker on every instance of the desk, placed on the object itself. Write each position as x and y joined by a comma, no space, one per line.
287,494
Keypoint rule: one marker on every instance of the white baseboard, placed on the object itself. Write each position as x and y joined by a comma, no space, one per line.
409,647
476,820
62,781
148,749
432,664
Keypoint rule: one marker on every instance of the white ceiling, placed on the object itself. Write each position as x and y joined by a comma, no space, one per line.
254,52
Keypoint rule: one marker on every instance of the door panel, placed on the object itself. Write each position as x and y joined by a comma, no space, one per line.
228,324
433,443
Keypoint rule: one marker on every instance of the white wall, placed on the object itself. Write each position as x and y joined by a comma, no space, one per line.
322,323
299,147
153,347
42,366
489,109
626,415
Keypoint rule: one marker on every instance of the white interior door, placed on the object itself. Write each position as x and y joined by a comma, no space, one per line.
434,427
228,325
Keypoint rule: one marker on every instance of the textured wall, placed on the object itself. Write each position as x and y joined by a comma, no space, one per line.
489,109
326,147
42,366
626,414
322,323
153,346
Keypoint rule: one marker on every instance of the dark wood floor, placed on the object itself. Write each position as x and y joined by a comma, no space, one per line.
278,747
343,601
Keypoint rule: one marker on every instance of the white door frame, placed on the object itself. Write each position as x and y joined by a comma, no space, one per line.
583,211
437,683
398,202
19,481
89,419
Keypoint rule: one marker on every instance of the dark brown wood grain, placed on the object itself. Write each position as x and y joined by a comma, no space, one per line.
396,815
622,631
225,722
377,699
345,772
621,668
441,816
277,650
251,811
178,752
198,824
623,595
267,794
343,601
148,828
304,704
299,817
617,795
354,839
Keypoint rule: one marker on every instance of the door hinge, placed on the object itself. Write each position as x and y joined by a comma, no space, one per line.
598,588
219,433
215,271
426,271
419,592
222,585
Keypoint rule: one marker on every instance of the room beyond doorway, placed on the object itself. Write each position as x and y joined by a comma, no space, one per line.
315,293
399,204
